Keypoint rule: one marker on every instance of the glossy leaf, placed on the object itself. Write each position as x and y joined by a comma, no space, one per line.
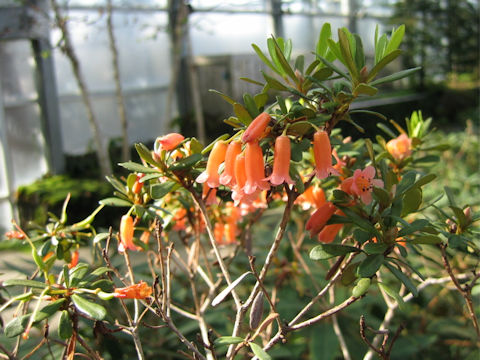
186,163
382,63
327,251
242,113
364,89
89,308
259,352
370,265
145,154
262,57
411,201
403,278
396,39
392,293
227,340
16,326
28,283
113,201
132,166
322,44
395,76
158,191
375,248
65,327
48,310
223,96
274,83
413,227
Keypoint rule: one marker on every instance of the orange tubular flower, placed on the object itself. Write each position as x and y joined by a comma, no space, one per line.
227,178
238,194
74,260
254,169
314,196
126,234
218,231
281,162
209,195
319,218
168,142
256,128
322,152
327,235
400,148
217,156
135,291
145,237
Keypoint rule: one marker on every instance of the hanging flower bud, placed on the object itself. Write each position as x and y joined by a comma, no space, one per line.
218,231
256,128
168,142
322,152
135,291
126,234
319,218
209,195
227,178
145,237
328,233
254,169
238,193
217,156
281,162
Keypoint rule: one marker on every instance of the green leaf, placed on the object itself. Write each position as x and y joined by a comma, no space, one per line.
260,100
242,113
322,43
251,81
145,154
333,67
396,76
132,166
186,163
362,287
375,248
361,222
403,278
359,54
259,352
382,196
327,251
227,340
461,218
78,273
262,57
116,184
16,326
380,47
27,283
223,96
450,196
113,201
347,53
274,83
158,191
364,89
396,39
413,227
89,308
300,63
392,293
382,63
65,327
386,129
48,310
427,240
411,201
370,265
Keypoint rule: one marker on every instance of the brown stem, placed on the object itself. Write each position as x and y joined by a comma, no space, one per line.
464,291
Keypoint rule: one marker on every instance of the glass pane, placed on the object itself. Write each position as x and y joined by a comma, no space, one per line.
25,143
17,72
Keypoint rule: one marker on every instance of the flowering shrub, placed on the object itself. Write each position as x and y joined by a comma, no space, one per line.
353,225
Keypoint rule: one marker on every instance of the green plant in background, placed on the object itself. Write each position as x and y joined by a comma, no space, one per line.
281,240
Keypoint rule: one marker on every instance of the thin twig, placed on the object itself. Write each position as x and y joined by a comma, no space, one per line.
464,291
338,330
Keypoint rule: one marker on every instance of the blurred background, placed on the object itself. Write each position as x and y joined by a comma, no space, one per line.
82,80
